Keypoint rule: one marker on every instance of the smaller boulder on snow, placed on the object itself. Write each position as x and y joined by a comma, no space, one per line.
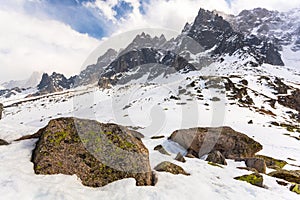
256,163
171,168
3,142
180,158
253,179
216,157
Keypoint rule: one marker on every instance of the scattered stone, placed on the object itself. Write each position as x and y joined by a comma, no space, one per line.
201,141
214,164
295,188
272,162
3,142
216,157
189,155
250,122
291,159
171,168
97,153
161,150
282,183
253,179
157,137
215,99
180,158
290,176
256,163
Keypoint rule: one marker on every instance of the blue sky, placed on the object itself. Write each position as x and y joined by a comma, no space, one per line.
59,35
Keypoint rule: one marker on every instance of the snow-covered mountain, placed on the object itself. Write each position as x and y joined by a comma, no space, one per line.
219,72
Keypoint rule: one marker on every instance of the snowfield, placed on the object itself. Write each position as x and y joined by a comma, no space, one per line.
148,108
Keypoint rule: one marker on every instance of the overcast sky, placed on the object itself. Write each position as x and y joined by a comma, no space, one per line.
59,35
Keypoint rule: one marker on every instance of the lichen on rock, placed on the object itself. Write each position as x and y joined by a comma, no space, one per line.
97,153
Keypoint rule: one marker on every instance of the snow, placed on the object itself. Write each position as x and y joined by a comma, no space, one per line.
154,116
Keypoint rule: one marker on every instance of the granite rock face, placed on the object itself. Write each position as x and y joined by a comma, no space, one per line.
230,143
97,153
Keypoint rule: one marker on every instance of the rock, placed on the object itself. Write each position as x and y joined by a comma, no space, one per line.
272,162
282,183
189,155
1,110
250,122
201,141
253,179
290,176
295,188
97,153
157,137
216,157
214,164
180,158
3,142
161,150
256,163
171,168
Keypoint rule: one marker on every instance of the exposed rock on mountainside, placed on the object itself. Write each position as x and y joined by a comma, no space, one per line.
97,153
170,167
201,141
211,30
92,73
54,83
279,27
7,93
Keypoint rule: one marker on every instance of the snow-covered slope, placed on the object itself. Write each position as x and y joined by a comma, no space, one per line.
150,108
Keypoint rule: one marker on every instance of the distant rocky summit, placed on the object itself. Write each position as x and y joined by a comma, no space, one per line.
230,143
97,153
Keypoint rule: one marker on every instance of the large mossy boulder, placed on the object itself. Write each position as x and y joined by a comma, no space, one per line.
254,179
201,141
292,176
97,153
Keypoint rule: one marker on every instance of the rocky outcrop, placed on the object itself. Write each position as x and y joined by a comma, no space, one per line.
53,83
201,141
290,176
97,153
211,30
1,110
216,157
253,179
256,163
171,168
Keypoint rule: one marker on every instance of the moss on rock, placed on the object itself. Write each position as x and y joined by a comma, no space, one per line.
253,179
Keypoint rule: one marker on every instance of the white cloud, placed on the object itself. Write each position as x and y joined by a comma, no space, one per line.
29,44
280,5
